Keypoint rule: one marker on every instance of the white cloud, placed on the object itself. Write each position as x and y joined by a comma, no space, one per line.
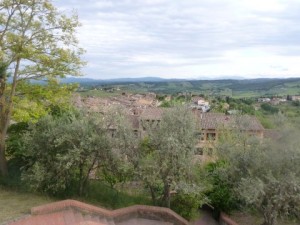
172,38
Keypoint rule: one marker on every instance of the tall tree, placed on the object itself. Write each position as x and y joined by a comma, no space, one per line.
166,155
36,42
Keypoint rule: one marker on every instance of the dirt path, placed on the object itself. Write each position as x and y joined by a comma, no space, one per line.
205,219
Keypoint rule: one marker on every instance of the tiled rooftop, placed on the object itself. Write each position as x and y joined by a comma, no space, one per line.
219,120
153,113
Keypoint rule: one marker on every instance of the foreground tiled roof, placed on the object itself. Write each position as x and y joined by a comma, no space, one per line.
71,212
220,120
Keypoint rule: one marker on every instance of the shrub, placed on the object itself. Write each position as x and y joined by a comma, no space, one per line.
221,195
186,205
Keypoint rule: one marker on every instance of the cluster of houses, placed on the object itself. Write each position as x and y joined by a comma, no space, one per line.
278,100
130,102
210,125
200,104
143,109
293,97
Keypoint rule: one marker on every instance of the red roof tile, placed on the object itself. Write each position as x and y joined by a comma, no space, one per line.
220,120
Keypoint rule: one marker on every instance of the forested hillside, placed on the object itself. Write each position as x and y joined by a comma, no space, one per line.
233,88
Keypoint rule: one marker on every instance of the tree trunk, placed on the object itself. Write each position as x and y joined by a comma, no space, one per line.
166,200
6,106
85,178
270,217
3,162
152,191
3,125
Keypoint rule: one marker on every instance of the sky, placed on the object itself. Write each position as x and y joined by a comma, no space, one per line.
188,39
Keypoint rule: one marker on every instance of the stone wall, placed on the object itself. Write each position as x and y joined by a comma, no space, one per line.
140,211
226,220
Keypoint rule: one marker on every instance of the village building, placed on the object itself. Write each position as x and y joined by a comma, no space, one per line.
293,97
212,125
263,99
200,104
143,115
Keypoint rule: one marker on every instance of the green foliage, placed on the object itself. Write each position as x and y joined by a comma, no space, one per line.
112,198
268,108
265,175
41,37
14,142
221,196
166,155
36,42
233,88
76,144
160,97
186,205
296,103
166,104
62,151
33,101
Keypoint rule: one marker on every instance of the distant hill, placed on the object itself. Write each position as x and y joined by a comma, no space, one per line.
117,80
224,87
110,81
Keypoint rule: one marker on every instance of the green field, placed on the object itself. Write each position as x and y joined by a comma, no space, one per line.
231,88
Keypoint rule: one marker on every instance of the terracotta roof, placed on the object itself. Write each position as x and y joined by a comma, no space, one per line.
144,101
153,113
219,120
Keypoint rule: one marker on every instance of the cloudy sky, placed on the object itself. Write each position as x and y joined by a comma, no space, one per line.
189,38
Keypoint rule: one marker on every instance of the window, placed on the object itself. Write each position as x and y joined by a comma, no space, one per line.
199,151
211,136
136,133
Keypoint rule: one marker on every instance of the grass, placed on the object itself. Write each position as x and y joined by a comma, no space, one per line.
15,204
102,195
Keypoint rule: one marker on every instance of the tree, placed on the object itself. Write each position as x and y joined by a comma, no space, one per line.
264,175
118,166
76,144
221,195
166,155
33,101
36,42
62,151
268,108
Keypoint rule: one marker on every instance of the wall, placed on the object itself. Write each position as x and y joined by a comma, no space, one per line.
226,220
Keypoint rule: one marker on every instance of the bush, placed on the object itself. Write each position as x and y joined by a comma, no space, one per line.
186,205
112,198
268,108
221,195
296,103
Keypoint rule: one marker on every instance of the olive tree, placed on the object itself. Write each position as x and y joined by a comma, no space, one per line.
118,167
264,174
166,155
36,42
61,152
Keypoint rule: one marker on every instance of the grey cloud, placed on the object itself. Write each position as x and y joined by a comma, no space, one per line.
117,32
